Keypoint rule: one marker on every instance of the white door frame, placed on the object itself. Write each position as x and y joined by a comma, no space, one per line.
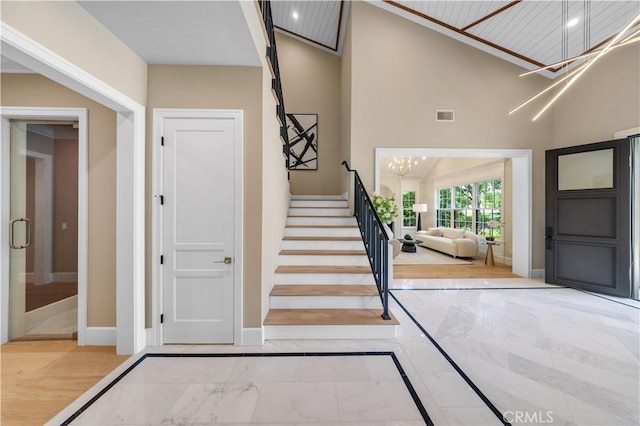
522,198
159,115
130,331
63,114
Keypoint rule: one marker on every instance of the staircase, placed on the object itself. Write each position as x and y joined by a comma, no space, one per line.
324,287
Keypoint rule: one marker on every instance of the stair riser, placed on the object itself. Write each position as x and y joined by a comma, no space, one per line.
320,279
311,221
317,197
314,204
324,302
321,232
322,245
278,332
328,260
318,212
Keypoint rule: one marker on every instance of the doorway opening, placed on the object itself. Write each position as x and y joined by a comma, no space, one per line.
488,167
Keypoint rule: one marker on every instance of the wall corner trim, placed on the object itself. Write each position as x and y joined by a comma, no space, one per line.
100,336
252,336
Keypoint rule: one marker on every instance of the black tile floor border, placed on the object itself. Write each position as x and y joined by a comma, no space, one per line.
479,288
403,375
462,374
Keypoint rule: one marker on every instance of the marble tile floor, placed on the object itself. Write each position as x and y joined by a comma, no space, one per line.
536,355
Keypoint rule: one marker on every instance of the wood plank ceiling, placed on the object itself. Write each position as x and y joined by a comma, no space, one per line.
528,31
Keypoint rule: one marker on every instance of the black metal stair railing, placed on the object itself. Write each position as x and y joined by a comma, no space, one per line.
276,84
376,240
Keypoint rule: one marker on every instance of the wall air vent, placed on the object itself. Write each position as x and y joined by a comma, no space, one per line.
444,115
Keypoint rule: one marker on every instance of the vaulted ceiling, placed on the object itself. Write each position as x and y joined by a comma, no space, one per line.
526,32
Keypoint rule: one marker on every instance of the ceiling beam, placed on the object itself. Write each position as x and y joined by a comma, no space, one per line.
491,15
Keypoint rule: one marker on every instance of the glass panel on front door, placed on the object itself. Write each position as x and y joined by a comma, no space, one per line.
586,170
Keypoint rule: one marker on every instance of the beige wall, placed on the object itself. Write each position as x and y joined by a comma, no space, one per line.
37,91
217,88
401,75
311,85
605,100
70,31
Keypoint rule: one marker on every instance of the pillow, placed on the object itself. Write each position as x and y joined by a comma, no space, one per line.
452,233
435,232
388,231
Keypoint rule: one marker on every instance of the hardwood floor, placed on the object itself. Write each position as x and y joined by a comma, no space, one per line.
41,378
327,317
476,270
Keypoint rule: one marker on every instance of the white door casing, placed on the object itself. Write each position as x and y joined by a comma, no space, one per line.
197,213
130,275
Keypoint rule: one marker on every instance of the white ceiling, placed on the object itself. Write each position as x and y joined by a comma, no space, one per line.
528,33
320,23
180,32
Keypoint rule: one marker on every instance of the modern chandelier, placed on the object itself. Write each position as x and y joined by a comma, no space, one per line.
400,166
592,57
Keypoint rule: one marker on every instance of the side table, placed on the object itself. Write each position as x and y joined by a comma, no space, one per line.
488,260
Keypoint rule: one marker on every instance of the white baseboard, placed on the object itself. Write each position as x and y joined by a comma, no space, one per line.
45,312
100,336
65,277
537,273
252,336
149,338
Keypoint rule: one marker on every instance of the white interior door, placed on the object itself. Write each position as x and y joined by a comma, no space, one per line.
198,222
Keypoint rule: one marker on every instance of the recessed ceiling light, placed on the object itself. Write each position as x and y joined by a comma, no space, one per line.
295,15
573,22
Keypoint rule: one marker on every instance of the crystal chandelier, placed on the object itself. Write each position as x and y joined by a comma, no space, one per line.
400,166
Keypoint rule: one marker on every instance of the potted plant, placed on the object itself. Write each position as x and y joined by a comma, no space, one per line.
386,208
492,224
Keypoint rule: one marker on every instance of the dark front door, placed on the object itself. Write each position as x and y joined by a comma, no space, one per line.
588,217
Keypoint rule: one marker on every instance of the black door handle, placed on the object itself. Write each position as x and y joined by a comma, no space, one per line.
548,236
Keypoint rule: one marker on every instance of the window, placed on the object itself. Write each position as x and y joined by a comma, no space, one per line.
444,208
489,203
471,206
463,211
408,215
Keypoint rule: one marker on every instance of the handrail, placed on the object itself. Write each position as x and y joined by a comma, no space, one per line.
276,83
375,238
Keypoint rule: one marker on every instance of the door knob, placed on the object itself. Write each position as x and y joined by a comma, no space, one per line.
226,261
